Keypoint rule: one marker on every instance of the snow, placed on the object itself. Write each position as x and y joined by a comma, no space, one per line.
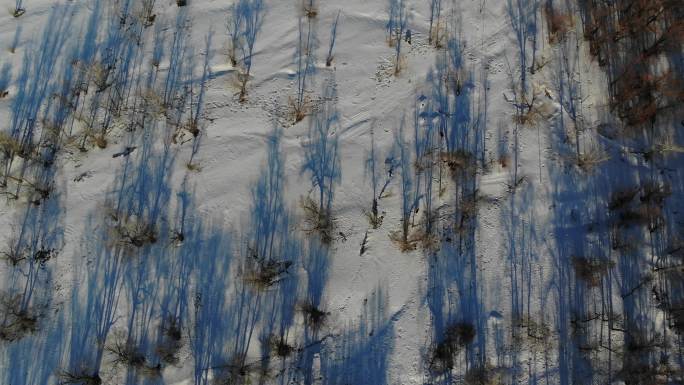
533,207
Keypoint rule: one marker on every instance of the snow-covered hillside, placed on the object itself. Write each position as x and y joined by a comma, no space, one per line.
341,192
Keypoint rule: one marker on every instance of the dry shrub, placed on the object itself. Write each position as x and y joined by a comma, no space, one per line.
126,353
18,12
654,194
533,109
129,230
81,378
676,319
242,78
136,233
310,8
591,270
236,371
406,242
439,33
648,212
635,370
9,145
314,317
538,332
645,215
317,220
280,347
459,162
456,336
619,242
182,132
15,254
430,242
504,160
424,162
264,274
667,292
100,141
169,348
644,374
193,167
634,36
298,111
399,64
151,371
100,76
483,376
591,158
630,217
559,24
17,322
622,198
374,218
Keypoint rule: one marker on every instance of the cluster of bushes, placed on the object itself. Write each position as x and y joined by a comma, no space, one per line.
631,40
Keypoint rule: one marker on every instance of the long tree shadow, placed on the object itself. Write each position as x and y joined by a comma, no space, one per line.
361,354
263,300
316,265
322,163
457,351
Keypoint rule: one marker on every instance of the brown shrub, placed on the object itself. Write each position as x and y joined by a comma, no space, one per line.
456,336
558,23
317,220
313,316
266,273
591,270
621,198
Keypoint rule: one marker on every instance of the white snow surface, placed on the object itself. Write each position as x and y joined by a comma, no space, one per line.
380,313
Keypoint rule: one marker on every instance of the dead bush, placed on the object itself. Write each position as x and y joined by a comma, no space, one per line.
456,337
590,159
310,8
622,198
236,371
676,318
126,353
135,232
530,108
263,274
18,12
374,218
591,270
299,110
459,162
279,346
538,332
18,324
313,316
654,194
317,220
483,376
80,378
406,242
9,145
169,348
17,320
559,23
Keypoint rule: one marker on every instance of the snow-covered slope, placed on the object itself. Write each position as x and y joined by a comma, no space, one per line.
181,206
